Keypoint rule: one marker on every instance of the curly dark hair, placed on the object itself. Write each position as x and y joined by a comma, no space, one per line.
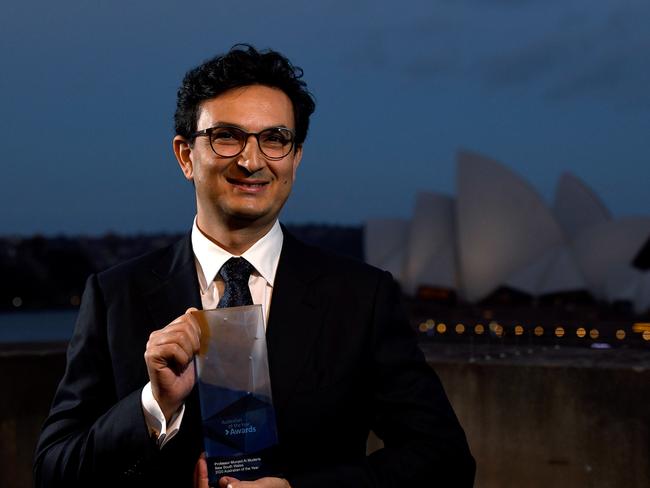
243,65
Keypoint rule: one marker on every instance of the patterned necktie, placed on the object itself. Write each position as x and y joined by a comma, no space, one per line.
235,273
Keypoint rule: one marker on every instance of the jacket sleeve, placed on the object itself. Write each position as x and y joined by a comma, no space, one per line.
91,436
424,442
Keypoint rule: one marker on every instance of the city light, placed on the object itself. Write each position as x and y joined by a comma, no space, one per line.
543,331
427,326
496,328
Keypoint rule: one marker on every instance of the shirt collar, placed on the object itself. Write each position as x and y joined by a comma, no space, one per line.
264,255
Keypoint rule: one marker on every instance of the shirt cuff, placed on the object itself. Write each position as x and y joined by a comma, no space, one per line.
155,418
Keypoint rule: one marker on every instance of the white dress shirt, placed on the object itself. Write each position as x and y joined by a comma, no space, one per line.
264,255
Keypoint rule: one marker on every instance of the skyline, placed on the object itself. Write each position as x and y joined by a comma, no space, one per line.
541,87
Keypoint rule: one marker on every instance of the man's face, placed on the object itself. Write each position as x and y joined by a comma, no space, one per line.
248,189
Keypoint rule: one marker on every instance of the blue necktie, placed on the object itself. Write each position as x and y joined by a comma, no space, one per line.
235,273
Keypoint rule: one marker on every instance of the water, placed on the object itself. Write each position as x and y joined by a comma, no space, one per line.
37,326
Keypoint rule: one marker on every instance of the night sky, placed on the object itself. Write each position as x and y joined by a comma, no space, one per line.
88,93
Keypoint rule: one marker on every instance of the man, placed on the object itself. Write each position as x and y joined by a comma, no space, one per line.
342,357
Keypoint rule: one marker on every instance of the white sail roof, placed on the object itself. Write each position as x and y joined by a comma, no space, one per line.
622,284
431,251
555,271
500,232
576,206
503,224
642,298
385,242
631,285
607,248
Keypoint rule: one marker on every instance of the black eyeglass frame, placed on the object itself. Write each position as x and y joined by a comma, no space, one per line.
208,133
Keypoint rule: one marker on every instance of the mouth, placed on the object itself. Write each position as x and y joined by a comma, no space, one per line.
248,186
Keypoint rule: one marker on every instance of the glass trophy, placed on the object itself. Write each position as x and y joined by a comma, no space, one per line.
239,430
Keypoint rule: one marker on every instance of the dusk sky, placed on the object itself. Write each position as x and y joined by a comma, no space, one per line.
88,93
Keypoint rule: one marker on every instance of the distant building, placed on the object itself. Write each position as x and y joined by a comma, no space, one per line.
498,232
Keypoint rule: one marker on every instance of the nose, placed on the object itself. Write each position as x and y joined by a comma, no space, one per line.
251,158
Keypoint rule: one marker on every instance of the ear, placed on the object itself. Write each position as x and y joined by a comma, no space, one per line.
183,153
297,157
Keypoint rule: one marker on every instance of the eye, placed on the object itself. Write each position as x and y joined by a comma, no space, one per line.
225,135
280,137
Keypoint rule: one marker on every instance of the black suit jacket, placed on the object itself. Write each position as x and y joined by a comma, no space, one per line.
342,357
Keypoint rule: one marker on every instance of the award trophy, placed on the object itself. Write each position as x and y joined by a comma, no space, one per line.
239,430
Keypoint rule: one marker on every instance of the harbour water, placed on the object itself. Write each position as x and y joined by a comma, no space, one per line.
37,326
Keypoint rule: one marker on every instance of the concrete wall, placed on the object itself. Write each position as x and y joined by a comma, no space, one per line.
530,423
29,377
553,426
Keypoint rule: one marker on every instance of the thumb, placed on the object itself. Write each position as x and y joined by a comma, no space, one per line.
227,481
202,328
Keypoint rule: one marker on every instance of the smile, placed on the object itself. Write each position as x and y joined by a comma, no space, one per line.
252,186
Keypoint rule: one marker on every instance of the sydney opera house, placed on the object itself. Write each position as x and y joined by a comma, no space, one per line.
499,233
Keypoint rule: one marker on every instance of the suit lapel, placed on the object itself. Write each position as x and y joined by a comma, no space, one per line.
175,287
295,318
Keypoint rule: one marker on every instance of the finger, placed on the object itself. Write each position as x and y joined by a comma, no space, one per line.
201,473
184,336
187,316
163,348
178,319
183,333
169,355
186,323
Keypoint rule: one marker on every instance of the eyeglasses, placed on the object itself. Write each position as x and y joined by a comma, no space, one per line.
228,141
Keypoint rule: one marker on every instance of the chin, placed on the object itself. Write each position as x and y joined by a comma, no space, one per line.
249,215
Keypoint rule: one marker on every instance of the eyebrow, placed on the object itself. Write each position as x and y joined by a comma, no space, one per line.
237,126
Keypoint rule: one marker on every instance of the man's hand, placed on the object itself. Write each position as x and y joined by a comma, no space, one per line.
201,479
227,482
169,356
